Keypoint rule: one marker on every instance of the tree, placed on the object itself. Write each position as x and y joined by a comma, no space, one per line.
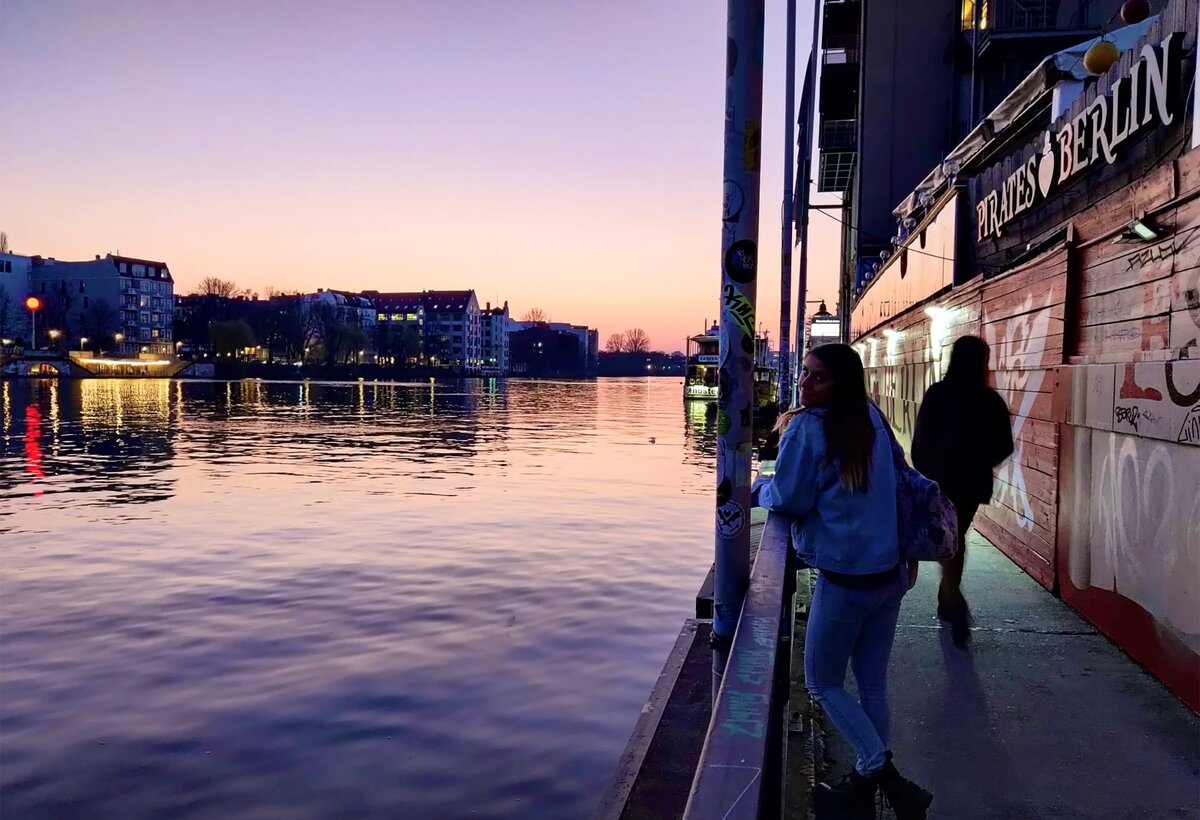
288,327
615,343
212,286
3,242
537,315
636,341
230,336
100,322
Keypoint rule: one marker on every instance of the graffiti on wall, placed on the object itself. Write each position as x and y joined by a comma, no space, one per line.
1134,524
1018,361
1159,400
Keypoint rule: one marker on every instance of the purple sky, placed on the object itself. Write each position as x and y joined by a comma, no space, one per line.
562,155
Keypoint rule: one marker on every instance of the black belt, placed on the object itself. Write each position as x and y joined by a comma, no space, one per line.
872,580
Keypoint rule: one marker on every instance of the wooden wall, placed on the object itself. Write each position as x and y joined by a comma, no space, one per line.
1021,317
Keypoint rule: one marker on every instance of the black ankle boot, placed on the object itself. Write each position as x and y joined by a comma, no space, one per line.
851,798
907,799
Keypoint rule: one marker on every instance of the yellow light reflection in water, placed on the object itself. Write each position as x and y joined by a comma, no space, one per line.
54,419
7,415
105,402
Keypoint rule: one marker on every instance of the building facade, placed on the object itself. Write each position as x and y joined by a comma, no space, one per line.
115,303
586,346
1065,241
494,338
448,323
14,288
902,83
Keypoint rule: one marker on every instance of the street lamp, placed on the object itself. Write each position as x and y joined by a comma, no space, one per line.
82,341
33,305
54,334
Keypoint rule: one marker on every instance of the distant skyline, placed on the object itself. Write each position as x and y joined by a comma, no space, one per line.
560,156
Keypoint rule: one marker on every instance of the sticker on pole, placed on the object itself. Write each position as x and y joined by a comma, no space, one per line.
731,519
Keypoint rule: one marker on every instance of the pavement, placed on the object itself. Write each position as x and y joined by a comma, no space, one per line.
1041,718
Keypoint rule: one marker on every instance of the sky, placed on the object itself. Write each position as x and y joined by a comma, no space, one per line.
560,155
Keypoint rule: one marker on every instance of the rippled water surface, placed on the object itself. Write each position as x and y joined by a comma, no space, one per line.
272,600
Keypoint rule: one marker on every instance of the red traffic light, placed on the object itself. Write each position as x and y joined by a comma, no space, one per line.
33,303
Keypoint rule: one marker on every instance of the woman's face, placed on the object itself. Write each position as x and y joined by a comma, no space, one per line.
816,383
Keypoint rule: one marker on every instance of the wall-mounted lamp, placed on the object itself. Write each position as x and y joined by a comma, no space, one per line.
1142,230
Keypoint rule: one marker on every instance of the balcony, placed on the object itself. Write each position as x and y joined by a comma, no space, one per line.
1021,19
839,135
836,172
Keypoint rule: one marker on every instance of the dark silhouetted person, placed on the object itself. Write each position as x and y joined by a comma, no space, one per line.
963,432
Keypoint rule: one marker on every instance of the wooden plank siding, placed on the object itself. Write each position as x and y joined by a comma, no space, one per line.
1022,314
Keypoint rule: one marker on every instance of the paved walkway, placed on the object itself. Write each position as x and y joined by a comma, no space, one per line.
1042,718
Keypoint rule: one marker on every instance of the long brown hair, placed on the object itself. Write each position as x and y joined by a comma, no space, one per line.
848,426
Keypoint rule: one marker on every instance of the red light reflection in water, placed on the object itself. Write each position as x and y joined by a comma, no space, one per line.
33,444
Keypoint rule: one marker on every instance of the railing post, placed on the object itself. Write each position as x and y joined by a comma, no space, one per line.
739,281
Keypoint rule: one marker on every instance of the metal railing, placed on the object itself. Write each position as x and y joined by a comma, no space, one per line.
740,773
1009,16
839,135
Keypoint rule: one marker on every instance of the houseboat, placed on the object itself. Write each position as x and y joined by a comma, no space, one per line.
703,366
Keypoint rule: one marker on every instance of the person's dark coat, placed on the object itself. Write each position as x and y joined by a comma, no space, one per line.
963,432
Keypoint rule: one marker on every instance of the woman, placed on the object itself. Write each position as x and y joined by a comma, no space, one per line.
835,475
962,433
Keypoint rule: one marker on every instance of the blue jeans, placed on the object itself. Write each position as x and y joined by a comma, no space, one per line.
856,626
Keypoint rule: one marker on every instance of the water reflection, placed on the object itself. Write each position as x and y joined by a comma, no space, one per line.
700,429
92,437
333,599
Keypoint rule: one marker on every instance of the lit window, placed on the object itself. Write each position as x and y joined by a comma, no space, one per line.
968,15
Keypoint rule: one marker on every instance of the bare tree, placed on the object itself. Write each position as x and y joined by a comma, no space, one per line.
637,341
100,322
3,242
213,286
536,315
615,343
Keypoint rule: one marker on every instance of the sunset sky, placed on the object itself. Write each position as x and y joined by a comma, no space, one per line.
560,155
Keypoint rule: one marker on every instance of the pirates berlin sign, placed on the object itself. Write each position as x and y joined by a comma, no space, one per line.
1148,97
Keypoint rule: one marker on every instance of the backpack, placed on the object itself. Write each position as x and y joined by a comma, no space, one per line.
926,520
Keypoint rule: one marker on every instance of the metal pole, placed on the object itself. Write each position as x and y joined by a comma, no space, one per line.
739,286
33,321
809,115
789,159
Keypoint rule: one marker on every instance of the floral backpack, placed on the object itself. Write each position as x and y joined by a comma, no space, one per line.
927,520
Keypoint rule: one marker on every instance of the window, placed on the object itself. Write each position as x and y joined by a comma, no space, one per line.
85,301
139,270
145,318
156,318
43,288
124,284
151,270
154,334
123,267
81,288
144,302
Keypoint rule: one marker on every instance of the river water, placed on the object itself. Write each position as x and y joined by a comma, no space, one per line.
306,599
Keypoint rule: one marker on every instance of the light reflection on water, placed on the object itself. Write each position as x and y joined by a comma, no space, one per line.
338,600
